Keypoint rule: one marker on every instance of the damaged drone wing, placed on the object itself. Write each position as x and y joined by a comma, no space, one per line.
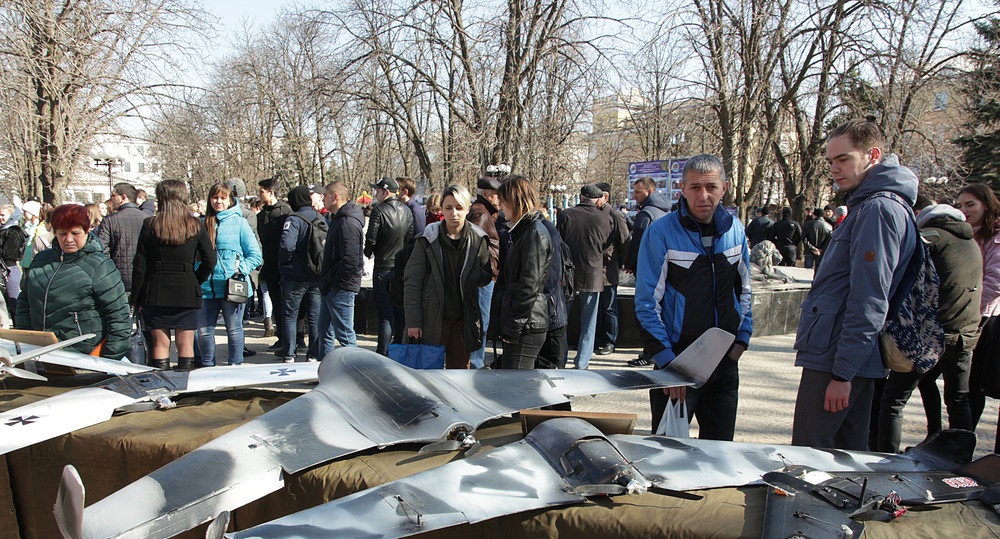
363,400
561,462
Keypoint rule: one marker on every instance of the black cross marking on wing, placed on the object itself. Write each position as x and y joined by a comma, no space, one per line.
283,372
21,420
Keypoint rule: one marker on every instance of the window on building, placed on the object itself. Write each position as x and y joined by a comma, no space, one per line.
154,167
142,168
940,101
127,167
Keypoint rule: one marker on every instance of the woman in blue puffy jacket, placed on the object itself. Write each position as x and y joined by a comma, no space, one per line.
238,253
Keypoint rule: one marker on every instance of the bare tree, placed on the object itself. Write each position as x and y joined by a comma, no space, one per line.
76,67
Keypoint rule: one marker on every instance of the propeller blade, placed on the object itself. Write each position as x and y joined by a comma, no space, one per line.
599,490
443,446
21,373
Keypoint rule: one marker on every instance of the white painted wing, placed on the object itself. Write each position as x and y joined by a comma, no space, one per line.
715,464
363,400
76,360
505,481
55,416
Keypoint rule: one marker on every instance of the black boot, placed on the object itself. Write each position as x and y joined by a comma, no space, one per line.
184,363
162,364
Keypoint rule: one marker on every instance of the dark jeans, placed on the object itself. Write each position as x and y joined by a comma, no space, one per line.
386,310
954,365
554,350
523,353
607,317
713,404
295,293
815,427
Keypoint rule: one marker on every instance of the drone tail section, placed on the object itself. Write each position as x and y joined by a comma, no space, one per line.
69,504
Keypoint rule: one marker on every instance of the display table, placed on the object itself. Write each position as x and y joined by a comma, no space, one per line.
117,452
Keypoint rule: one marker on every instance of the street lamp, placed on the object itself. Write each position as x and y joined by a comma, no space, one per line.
104,159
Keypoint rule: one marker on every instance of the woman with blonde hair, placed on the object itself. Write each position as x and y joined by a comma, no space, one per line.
237,253
174,255
450,261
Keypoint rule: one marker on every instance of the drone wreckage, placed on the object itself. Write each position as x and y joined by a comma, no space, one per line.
562,461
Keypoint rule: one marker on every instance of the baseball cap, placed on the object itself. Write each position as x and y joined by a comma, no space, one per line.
388,184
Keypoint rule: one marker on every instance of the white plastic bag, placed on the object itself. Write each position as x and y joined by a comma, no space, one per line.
674,422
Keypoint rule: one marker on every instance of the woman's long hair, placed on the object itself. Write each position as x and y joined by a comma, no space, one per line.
991,210
211,216
173,223
520,194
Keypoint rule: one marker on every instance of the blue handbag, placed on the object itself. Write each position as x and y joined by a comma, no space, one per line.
417,356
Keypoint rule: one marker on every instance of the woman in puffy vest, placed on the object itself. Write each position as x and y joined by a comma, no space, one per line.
237,253
73,288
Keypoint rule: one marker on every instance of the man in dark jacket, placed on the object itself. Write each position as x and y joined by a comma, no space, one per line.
143,202
484,213
652,205
298,284
343,265
270,223
119,231
816,236
390,226
786,235
959,265
587,231
759,228
614,259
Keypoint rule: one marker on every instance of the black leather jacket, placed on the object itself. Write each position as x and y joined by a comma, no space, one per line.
524,304
390,226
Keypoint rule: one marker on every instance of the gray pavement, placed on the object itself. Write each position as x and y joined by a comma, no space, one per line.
769,381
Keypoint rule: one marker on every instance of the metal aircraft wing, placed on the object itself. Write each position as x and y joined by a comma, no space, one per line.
88,406
561,462
363,400
55,354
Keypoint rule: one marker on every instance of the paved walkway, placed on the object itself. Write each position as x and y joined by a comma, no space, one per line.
769,381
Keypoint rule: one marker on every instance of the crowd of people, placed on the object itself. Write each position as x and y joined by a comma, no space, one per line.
464,270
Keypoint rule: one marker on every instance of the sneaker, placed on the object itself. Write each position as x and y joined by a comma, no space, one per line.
275,347
311,359
248,352
605,350
287,359
641,361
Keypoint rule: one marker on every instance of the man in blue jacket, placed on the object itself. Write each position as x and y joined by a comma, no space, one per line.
692,274
837,341
343,265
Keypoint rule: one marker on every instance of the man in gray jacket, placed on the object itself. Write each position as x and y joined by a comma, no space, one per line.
837,341
119,231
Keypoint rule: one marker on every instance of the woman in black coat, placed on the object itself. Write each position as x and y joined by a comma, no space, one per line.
173,257
532,309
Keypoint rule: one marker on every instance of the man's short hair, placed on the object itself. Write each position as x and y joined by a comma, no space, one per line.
646,182
704,163
817,212
141,193
271,184
863,133
340,188
407,186
764,210
922,202
126,190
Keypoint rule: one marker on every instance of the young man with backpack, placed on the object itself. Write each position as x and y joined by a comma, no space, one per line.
842,317
300,261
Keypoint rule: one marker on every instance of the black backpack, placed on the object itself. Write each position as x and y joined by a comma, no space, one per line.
315,242
398,268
